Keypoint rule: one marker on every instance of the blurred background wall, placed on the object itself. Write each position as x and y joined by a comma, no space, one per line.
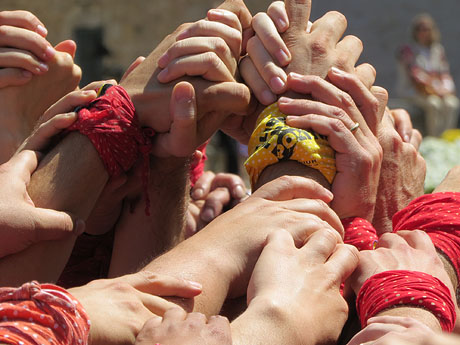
112,33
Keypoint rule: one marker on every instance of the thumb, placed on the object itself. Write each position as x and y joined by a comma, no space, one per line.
343,262
298,12
162,285
53,225
67,46
181,139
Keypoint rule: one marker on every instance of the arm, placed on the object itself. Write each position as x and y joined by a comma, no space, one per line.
57,185
222,255
140,238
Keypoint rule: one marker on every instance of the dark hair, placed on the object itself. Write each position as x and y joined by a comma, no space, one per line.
422,19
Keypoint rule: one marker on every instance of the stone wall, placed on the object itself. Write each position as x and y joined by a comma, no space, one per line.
133,28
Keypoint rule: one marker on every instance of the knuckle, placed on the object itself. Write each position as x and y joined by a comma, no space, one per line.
319,48
339,113
252,45
374,105
258,18
346,100
338,17
220,46
4,30
357,41
337,125
29,16
212,60
121,286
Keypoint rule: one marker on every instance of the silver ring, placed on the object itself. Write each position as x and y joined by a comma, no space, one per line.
354,127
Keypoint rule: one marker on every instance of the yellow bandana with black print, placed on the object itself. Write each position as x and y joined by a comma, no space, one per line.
273,141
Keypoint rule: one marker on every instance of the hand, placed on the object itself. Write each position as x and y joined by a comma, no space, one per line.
291,279
305,48
21,223
179,328
382,330
403,126
118,308
26,103
207,48
24,50
211,194
215,100
403,170
406,250
312,52
333,113
292,203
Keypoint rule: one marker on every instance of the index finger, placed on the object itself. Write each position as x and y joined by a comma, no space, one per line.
293,187
23,19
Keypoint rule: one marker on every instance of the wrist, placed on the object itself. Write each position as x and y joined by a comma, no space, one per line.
420,314
290,168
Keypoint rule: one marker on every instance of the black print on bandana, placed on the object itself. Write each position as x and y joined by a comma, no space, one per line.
281,140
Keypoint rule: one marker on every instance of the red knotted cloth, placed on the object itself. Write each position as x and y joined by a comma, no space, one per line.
438,215
111,124
41,314
406,288
359,233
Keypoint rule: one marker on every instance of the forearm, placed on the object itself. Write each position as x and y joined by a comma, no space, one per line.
138,237
201,259
69,178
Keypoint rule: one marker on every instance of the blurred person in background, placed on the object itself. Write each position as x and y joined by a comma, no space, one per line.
425,79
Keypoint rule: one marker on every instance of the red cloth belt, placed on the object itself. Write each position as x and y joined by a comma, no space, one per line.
41,314
406,288
438,215
111,124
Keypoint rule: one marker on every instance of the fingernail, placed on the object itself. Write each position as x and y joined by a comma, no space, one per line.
27,74
329,193
162,75
337,71
216,13
195,285
41,30
282,57
268,97
182,35
277,84
406,138
163,60
282,25
238,192
43,67
295,75
285,100
197,193
79,227
208,214
49,52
